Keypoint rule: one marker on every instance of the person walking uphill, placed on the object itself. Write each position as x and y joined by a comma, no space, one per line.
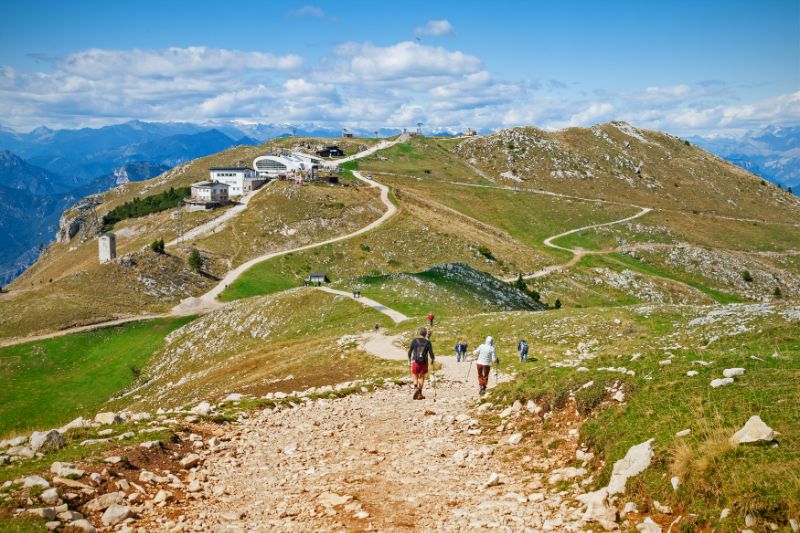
419,352
486,357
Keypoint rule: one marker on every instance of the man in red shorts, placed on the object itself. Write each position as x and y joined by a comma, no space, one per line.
418,354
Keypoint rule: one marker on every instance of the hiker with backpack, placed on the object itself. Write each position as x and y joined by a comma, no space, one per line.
522,349
486,357
420,351
461,351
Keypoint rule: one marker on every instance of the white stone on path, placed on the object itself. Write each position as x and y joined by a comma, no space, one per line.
648,526
754,430
636,460
115,514
715,383
731,372
493,481
683,432
35,481
598,507
515,439
49,496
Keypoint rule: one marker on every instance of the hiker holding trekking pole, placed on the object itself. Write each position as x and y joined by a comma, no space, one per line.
486,357
420,351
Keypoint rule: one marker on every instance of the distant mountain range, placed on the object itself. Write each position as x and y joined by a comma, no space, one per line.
772,153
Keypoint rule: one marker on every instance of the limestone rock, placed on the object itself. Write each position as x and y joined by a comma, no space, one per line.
515,439
47,440
66,470
676,482
754,430
683,432
35,481
636,460
330,499
648,526
50,496
719,382
731,372
75,424
692,373
163,496
84,525
115,514
493,481
190,460
108,418
105,501
203,408
598,507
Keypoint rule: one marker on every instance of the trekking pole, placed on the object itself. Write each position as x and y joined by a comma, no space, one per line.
433,378
469,368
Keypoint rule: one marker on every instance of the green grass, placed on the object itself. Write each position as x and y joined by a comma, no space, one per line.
49,382
613,260
262,278
22,525
661,400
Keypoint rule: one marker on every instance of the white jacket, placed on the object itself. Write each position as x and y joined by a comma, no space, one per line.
485,352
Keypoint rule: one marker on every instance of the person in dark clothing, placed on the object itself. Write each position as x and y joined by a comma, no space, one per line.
522,349
461,351
420,351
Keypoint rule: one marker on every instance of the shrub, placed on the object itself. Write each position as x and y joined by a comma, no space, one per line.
365,248
687,143
157,246
194,260
557,304
487,253
139,207
777,293
747,276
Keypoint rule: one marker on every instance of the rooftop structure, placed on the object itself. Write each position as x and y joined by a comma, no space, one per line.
107,247
240,179
286,164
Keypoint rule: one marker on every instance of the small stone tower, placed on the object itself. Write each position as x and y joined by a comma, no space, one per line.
107,245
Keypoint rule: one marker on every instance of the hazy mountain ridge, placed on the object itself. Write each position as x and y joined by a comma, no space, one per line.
773,153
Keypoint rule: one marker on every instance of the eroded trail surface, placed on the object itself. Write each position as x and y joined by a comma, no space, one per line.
374,461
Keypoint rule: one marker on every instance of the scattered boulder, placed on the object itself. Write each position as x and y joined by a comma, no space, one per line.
47,440
648,526
84,525
75,424
108,418
21,451
683,432
233,397
50,496
598,508
515,439
636,460
493,481
190,460
163,496
731,372
676,482
532,408
48,513
115,514
66,470
105,501
330,499
754,430
35,481
719,382
203,408
692,373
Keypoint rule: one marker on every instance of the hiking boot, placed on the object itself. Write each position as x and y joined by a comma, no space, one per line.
421,396
417,393
482,391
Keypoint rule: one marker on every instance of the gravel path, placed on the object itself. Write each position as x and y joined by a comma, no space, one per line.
375,461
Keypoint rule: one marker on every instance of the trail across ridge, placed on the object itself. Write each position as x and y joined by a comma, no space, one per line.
376,461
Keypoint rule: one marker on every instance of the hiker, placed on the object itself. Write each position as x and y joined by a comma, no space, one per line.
418,354
522,349
486,356
461,351
377,327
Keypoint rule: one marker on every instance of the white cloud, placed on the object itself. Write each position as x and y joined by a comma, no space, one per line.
435,28
309,11
360,85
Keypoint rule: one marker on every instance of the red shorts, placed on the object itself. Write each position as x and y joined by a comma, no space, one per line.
419,369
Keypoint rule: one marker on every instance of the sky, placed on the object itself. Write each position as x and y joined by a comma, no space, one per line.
686,67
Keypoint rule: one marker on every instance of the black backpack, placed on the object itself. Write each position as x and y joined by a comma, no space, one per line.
523,346
421,351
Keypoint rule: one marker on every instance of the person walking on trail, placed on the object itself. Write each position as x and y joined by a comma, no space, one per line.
420,351
461,351
522,349
486,357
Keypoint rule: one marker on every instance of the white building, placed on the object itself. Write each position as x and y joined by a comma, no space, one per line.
210,193
107,247
286,164
240,179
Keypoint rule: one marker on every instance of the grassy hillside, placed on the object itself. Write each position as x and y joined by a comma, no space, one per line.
284,342
574,348
55,380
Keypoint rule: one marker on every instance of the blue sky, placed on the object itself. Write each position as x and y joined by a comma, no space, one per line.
681,66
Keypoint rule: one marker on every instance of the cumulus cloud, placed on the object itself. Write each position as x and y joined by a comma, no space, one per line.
435,28
359,85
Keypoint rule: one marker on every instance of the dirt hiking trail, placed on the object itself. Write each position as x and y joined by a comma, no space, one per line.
376,461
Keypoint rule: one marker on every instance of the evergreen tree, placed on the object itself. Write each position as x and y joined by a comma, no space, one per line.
194,260
747,276
558,304
157,246
778,293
